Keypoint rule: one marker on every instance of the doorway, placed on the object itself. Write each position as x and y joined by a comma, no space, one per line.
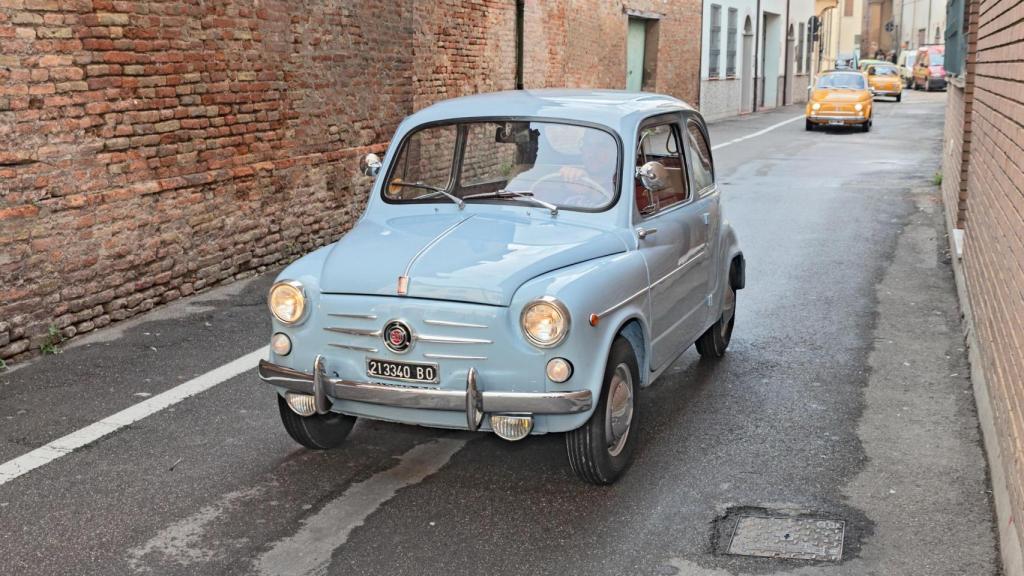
636,44
747,68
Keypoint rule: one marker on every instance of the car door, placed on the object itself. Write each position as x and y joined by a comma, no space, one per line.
706,203
671,236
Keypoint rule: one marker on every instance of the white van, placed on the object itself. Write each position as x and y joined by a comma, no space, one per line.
906,64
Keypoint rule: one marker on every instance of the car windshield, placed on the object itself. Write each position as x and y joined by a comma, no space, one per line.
882,70
936,59
842,82
546,164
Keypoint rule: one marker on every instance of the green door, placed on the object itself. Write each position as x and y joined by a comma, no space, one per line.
635,42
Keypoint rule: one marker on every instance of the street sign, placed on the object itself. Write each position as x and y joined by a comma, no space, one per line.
889,27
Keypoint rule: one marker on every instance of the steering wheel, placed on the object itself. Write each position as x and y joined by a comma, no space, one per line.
583,181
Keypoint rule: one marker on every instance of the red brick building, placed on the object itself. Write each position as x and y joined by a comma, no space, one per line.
983,190
151,149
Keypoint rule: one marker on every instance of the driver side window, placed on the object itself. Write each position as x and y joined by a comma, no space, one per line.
661,144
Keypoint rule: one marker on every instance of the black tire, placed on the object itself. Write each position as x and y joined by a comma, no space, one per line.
899,97
316,432
592,455
927,86
866,127
715,340
809,125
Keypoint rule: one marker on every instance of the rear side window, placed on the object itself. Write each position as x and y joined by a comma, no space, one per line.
700,157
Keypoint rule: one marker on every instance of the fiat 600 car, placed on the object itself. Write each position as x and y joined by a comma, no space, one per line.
527,263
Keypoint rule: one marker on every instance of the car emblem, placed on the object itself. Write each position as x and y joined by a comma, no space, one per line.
397,336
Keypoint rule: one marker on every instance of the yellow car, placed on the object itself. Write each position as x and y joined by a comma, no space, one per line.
840,98
884,80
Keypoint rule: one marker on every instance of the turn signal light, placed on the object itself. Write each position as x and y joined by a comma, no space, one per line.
511,428
301,404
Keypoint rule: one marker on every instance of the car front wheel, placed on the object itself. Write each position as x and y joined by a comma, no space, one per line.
317,432
601,450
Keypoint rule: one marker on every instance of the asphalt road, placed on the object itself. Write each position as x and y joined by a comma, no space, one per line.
844,395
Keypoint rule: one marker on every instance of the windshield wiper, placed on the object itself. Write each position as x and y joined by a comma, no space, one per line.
528,196
458,201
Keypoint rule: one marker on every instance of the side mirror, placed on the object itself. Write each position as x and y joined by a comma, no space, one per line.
370,165
653,176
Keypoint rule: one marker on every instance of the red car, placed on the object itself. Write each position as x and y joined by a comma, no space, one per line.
929,68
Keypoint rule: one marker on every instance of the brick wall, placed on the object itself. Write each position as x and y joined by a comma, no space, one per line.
582,43
153,148
984,193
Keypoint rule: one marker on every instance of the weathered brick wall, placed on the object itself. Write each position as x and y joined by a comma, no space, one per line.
991,207
152,148
582,43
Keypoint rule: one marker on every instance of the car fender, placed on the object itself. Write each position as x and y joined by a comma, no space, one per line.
612,290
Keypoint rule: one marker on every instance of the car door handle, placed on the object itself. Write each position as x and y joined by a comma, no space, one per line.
707,218
645,232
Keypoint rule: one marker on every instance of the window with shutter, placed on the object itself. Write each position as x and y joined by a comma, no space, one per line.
715,51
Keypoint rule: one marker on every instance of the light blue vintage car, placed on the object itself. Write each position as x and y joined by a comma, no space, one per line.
528,261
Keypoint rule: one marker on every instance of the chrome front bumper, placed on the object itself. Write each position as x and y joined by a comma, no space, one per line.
471,400
845,119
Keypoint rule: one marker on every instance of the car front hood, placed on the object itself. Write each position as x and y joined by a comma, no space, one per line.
482,258
839,96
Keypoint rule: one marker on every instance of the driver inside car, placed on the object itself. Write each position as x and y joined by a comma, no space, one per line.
586,159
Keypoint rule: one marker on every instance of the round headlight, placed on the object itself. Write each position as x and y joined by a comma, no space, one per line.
858,107
545,322
816,106
287,302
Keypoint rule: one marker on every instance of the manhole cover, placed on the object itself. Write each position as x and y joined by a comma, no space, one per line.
798,538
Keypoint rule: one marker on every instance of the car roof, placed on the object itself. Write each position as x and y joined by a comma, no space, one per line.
612,108
842,71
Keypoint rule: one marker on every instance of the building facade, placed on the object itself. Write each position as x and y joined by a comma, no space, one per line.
756,54
919,22
983,193
839,36
153,149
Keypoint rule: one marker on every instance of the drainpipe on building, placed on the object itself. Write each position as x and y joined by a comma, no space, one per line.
757,45
785,66
520,8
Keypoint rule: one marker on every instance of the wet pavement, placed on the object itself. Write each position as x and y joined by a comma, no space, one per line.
844,396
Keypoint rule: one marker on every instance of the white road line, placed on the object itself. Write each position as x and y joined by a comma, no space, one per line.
62,446
309,550
758,133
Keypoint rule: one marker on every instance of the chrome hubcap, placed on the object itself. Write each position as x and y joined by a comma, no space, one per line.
619,411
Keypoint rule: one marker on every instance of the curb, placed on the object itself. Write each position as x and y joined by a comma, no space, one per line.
1007,532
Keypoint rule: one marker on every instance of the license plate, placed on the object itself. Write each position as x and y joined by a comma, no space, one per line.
421,372
836,123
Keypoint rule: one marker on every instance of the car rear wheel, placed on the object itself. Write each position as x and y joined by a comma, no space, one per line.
316,432
715,340
601,450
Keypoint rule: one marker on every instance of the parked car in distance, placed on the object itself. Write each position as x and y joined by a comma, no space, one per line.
527,262
929,68
840,98
863,64
884,80
906,64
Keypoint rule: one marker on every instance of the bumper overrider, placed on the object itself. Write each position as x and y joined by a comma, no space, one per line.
471,400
